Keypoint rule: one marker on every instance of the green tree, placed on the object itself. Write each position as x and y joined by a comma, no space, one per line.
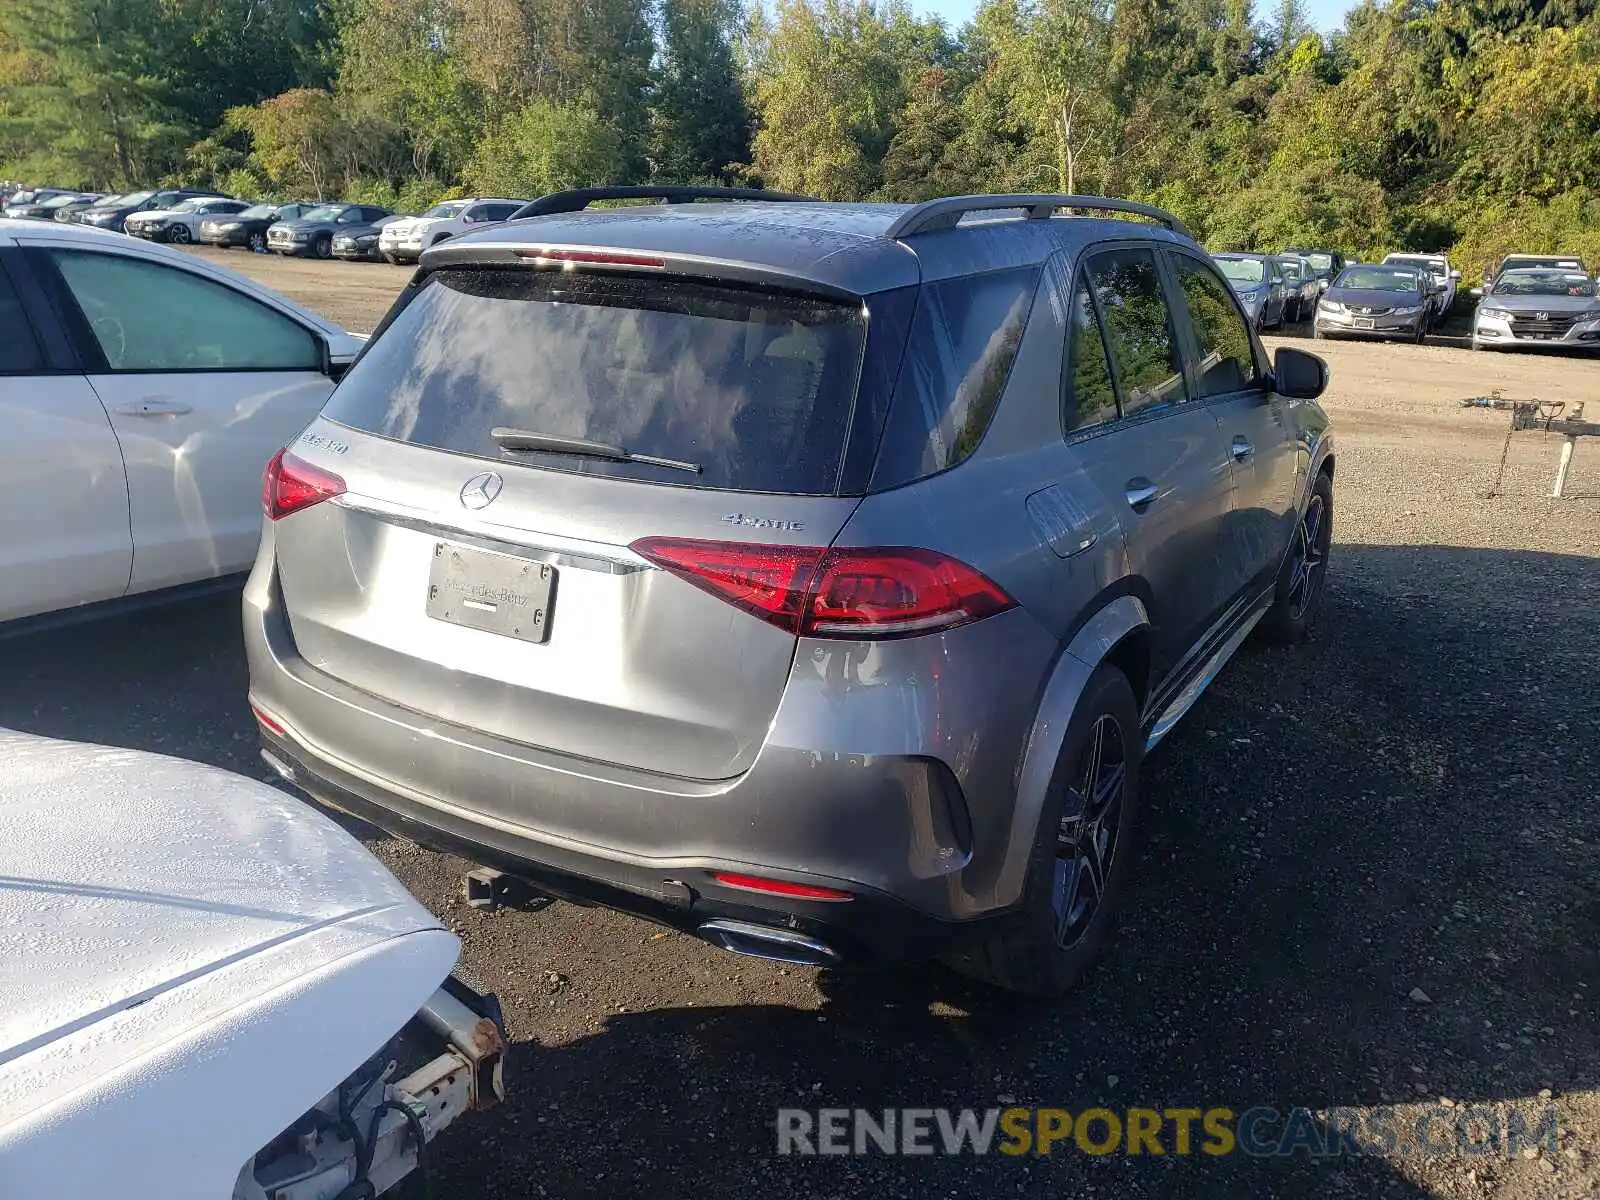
545,147
699,122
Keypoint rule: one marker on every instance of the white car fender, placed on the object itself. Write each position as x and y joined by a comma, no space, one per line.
189,960
180,1122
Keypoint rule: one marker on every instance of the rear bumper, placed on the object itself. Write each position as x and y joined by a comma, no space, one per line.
869,928
834,799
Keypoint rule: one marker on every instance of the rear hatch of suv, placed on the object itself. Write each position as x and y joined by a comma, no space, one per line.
579,511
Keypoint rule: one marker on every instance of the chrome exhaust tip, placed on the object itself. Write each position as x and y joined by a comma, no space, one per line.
284,770
774,945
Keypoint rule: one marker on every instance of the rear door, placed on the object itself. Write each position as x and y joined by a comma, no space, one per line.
1155,456
64,534
500,589
203,384
1230,376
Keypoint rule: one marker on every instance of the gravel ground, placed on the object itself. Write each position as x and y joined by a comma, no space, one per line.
1408,801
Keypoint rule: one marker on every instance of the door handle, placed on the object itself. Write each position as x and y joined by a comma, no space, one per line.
1141,494
154,406
1241,449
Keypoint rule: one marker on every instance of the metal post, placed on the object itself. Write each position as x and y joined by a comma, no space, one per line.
1567,444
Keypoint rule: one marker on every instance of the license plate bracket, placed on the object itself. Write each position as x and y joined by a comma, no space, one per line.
1364,323
494,593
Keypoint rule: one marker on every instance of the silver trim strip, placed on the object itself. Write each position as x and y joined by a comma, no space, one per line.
544,547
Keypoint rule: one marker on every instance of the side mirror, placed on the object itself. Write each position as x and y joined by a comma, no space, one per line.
1298,375
325,364
1477,291
1456,275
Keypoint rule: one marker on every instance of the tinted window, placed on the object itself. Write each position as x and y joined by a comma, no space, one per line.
149,317
1227,360
964,338
501,212
19,353
374,214
755,388
1138,328
1091,397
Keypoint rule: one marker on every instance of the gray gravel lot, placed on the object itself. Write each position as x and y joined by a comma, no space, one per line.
1407,801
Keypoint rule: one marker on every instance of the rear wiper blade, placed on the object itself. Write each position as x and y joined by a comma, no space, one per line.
526,440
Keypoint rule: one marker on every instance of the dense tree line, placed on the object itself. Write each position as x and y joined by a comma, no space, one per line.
1427,123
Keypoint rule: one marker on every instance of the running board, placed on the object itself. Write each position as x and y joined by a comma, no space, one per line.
1196,687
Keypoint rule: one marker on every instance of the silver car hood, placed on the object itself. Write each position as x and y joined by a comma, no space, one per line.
1555,304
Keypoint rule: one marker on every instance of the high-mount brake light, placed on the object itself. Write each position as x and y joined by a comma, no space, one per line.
572,259
812,591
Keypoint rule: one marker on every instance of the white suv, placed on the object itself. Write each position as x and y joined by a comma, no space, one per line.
405,240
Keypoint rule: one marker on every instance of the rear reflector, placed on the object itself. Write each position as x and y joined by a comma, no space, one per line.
291,484
268,723
594,258
777,887
811,591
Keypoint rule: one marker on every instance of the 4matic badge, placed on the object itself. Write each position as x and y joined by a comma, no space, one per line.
764,522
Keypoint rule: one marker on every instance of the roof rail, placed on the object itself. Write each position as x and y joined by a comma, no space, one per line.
578,199
946,212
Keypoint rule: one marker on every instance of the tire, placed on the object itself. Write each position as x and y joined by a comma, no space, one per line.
1044,949
256,242
179,235
1298,597
322,246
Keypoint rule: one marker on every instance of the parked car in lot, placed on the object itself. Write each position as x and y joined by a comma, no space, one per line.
737,622
1377,302
51,203
1300,288
1542,308
1325,264
68,208
1257,280
111,213
248,228
181,222
312,233
142,390
405,240
210,989
28,197
1558,262
1440,273
359,243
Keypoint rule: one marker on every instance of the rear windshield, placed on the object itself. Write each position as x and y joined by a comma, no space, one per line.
755,388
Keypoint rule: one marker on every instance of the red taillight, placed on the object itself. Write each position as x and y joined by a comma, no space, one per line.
777,887
812,591
291,484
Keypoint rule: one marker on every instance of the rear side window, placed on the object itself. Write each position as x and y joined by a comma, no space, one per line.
964,338
755,388
19,353
1222,339
1091,396
1139,329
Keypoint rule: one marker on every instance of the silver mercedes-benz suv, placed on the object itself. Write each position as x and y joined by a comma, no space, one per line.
813,577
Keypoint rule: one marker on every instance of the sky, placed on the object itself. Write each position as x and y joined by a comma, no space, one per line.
1325,14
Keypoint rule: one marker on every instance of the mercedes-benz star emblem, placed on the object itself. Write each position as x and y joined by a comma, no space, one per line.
480,491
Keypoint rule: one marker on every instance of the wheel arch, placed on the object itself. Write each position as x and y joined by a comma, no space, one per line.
1117,633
